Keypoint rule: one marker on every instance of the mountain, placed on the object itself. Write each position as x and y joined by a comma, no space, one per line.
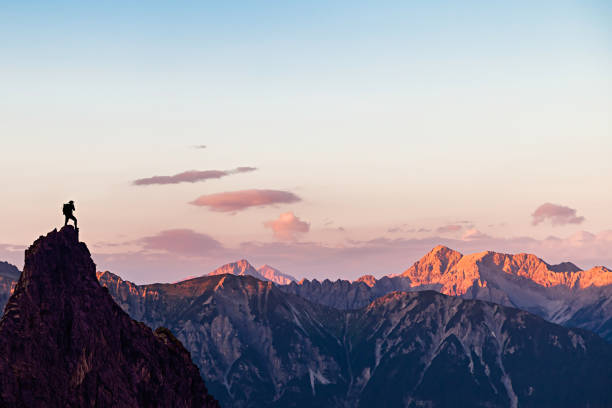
8,270
243,268
562,293
274,275
457,273
8,279
258,345
65,342
239,268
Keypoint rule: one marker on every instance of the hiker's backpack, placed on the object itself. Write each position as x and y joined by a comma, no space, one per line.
66,209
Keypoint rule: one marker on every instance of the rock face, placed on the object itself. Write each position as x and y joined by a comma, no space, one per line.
260,346
65,342
561,293
456,272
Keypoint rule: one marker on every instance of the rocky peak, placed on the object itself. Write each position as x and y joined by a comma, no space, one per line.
272,274
368,280
433,265
564,267
65,342
239,268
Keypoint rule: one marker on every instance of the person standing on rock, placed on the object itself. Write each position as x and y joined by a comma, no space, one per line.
67,209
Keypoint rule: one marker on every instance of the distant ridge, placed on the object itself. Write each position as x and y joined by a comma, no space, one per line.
8,279
8,270
243,268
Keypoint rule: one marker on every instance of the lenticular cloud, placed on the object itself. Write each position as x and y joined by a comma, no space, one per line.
191,176
241,200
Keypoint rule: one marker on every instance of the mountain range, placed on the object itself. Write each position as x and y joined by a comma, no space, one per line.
447,332
258,345
562,294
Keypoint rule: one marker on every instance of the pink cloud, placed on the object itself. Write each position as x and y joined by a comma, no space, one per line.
191,176
241,200
557,214
474,234
182,241
170,255
449,228
404,228
287,226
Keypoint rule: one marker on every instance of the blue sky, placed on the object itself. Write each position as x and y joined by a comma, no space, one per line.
376,114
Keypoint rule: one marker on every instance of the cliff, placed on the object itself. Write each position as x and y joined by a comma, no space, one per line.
65,342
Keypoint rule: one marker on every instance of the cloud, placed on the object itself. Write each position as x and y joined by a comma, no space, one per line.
241,200
182,241
557,214
473,234
173,254
449,228
404,228
191,176
287,226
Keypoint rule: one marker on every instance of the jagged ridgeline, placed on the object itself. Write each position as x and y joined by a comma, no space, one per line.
259,346
64,342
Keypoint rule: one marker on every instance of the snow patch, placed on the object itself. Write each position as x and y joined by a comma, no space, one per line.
316,375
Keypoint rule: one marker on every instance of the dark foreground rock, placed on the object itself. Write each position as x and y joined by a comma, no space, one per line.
64,342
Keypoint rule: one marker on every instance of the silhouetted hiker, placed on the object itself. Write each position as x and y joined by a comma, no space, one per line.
67,209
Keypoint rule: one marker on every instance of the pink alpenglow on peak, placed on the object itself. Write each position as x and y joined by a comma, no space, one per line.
287,226
368,280
239,268
274,275
455,273
233,201
243,268
557,214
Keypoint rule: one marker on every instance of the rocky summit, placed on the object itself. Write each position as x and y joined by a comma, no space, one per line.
64,342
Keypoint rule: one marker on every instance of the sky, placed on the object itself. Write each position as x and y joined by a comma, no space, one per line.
329,139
